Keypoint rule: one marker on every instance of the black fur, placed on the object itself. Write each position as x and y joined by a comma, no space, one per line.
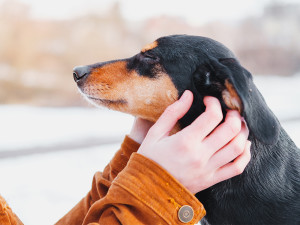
268,192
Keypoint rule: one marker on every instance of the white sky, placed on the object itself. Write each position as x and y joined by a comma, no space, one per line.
194,11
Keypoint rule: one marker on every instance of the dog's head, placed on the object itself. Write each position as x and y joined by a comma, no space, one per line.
145,84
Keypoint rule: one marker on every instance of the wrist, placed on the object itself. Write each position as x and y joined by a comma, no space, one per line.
136,136
139,130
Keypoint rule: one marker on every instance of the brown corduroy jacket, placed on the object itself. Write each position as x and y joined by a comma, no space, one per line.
131,190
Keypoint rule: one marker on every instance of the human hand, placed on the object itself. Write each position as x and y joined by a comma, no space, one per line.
201,154
140,129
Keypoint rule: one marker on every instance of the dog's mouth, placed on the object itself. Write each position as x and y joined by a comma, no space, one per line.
107,101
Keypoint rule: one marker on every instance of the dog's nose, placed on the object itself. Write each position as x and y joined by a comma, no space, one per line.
80,71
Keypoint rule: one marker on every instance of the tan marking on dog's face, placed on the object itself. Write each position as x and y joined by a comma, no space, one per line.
231,98
119,89
150,46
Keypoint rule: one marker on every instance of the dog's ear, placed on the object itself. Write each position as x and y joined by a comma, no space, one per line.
233,85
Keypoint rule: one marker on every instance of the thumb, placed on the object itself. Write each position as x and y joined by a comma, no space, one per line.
172,114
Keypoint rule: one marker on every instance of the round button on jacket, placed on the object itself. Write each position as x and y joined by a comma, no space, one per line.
185,214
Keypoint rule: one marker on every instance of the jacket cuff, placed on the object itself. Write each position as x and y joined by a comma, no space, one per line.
119,161
129,146
158,190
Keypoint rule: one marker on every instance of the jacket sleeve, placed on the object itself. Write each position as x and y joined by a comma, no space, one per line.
142,193
7,216
101,183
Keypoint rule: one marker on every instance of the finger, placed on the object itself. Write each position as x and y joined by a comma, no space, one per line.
236,167
208,120
232,150
225,132
172,114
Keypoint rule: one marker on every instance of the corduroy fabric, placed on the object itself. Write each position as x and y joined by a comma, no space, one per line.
131,190
7,217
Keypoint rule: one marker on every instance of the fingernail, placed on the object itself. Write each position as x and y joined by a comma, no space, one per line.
244,122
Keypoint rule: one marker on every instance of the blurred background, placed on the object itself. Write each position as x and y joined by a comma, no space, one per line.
52,141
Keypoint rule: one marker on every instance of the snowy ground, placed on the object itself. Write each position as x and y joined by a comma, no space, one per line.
73,144
28,128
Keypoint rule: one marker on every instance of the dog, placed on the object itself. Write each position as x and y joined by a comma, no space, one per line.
268,191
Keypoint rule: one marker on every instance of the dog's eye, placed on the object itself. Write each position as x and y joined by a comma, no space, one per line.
149,58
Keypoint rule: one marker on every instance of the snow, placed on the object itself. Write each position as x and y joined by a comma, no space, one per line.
42,187
281,94
24,127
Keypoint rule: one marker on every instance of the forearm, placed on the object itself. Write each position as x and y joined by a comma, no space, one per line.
101,183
